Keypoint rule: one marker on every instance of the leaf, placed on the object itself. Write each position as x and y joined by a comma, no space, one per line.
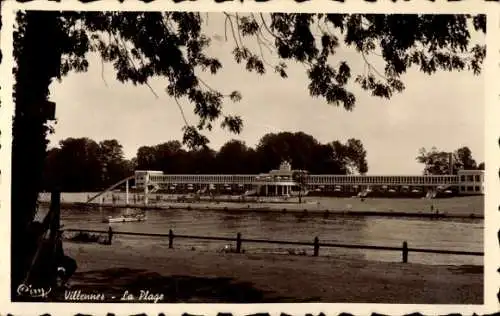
233,123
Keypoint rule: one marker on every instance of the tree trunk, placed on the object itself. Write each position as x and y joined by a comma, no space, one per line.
38,60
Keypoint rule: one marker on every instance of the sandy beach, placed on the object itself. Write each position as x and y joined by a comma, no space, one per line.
173,275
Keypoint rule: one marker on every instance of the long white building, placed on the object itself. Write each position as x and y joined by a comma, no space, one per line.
281,182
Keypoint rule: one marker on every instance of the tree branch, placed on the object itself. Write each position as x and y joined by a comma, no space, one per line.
125,48
264,38
228,18
267,28
238,29
261,53
371,67
181,110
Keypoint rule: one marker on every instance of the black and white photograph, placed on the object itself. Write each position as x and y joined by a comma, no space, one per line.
247,157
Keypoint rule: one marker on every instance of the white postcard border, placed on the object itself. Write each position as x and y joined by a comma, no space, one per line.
492,161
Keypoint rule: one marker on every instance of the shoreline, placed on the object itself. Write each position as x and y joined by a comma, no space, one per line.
270,207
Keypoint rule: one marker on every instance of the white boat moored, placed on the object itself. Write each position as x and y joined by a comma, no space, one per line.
126,218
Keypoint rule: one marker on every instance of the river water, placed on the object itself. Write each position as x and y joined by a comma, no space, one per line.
463,235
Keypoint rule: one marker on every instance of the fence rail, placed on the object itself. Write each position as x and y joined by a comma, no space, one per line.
315,244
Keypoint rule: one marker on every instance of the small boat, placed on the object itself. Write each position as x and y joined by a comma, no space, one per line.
126,218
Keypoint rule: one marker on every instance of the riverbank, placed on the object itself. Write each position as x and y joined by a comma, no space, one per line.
198,276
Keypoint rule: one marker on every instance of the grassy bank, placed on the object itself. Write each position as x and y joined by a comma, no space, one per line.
196,276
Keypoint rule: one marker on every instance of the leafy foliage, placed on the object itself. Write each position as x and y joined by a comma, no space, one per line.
352,154
81,164
137,43
438,162
234,157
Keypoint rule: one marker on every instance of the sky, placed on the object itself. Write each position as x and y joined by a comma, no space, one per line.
445,110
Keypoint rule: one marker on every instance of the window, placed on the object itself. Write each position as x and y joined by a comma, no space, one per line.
478,178
470,178
462,188
462,178
477,189
470,189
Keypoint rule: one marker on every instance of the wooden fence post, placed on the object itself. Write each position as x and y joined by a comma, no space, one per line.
110,235
170,239
405,252
316,246
238,243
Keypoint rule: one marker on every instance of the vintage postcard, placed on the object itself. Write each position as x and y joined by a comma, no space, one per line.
213,158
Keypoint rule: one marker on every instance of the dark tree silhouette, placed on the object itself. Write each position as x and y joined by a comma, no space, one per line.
201,161
48,45
234,157
295,147
83,168
351,156
80,164
464,158
113,163
146,158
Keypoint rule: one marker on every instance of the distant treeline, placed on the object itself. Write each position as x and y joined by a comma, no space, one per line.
81,164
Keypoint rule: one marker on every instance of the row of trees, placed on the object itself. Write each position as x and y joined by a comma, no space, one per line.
80,164
235,157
